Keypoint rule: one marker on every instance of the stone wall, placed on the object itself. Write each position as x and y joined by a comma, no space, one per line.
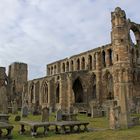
108,72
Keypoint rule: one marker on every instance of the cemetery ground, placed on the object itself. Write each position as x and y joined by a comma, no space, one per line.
98,130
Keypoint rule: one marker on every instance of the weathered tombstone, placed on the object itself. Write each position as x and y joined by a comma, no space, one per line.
14,107
95,110
25,111
133,108
76,110
50,110
114,116
59,115
45,114
106,107
36,109
3,98
111,118
71,110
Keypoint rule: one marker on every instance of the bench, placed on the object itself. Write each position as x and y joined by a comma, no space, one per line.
4,117
63,125
8,127
34,126
69,126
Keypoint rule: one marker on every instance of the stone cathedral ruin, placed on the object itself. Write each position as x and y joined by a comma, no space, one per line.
99,76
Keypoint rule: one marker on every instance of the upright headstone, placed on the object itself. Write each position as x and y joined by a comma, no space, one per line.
14,107
71,110
114,116
76,110
45,114
50,110
111,118
25,111
95,109
59,115
36,109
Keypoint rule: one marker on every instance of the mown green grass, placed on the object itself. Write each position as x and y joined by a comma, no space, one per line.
100,134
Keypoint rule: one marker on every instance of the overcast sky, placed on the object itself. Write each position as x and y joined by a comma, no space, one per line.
39,32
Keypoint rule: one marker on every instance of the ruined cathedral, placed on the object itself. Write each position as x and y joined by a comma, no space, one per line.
105,73
108,72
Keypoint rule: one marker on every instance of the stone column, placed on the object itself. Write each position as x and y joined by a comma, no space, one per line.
98,76
70,93
80,63
63,93
74,65
49,94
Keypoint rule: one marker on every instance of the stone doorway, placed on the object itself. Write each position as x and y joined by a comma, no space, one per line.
78,91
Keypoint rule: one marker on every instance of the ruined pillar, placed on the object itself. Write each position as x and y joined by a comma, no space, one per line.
49,94
98,76
63,93
70,92
122,62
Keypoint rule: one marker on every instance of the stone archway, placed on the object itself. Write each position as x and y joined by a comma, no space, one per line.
108,86
44,97
31,92
134,34
78,91
134,39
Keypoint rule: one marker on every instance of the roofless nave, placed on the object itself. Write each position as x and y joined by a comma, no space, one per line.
109,72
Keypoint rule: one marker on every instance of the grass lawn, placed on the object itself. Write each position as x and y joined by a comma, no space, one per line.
101,134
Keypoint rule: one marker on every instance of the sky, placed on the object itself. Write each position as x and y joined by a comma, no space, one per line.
38,32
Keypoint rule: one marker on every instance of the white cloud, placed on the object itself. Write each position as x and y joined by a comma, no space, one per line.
41,31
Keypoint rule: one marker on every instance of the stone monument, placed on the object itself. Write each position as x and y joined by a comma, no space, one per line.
45,114
94,107
14,107
114,116
59,115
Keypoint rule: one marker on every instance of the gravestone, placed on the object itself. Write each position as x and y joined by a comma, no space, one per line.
50,110
14,107
3,100
25,111
59,115
94,108
45,114
71,110
76,110
36,109
114,116
111,118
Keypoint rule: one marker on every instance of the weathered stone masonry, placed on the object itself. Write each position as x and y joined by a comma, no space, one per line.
108,72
